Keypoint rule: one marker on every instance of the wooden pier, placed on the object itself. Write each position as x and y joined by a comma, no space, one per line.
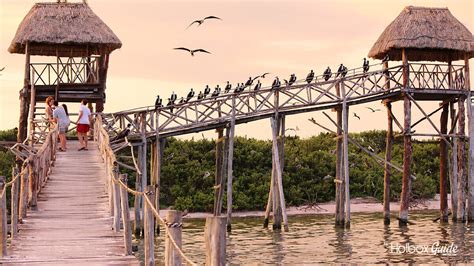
72,223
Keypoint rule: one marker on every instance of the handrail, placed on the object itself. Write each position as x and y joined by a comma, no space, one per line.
26,185
102,138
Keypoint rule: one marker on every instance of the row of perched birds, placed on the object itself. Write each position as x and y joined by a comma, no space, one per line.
327,74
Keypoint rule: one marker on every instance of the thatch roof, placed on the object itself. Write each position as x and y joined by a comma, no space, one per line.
427,34
71,28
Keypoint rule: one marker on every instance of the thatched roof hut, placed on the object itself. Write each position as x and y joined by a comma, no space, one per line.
64,29
427,34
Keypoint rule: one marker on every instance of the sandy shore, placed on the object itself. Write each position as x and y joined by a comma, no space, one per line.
358,205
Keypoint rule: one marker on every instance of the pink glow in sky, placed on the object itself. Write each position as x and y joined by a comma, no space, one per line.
281,37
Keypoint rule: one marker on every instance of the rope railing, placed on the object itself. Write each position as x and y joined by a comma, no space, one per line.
26,183
108,155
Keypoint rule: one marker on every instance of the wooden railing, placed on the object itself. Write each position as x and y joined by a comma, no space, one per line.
25,185
66,70
116,185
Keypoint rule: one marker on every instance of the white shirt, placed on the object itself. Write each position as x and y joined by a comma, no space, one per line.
60,114
85,115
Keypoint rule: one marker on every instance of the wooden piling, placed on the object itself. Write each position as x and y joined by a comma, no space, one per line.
33,186
215,240
24,106
3,213
443,162
127,230
276,207
467,83
268,209
345,156
137,223
143,159
339,179
462,171
149,228
230,160
14,202
110,184
218,178
23,201
453,173
174,222
388,168
116,196
278,175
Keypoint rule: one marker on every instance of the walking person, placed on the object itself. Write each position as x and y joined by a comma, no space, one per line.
60,116
83,124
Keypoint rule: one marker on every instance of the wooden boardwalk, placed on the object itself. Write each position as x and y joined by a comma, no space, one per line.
72,224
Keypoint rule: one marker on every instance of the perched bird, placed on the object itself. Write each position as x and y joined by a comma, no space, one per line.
327,178
173,97
171,156
200,21
371,149
344,72
228,87
216,92
257,86
292,79
170,104
372,109
207,90
200,95
158,102
181,100
327,74
340,70
286,82
206,174
310,76
386,58
192,51
356,116
190,95
122,134
365,65
276,83
249,82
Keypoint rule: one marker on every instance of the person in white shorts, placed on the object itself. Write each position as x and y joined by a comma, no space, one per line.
61,117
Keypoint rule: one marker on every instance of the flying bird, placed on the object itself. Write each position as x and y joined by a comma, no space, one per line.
356,116
327,74
264,74
310,76
365,65
192,51
200,21
372,109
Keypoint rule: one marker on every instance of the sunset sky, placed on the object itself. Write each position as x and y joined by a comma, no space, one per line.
280,37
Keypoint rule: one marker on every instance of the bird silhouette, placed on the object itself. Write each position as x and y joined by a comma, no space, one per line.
1,69
171,156
216,92
122,134
170,104
342,70
310,76
264,74
372,109
192,51
207,90
200,95
190,95
327,178
173,97
181,101
257,86
292,79
386,58
206,174
158,102
200,21
356,116
276,83
327,74
228,87
365,65
249,82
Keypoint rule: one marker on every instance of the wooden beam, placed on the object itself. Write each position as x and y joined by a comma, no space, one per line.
470,109
149,228
345,156
174,222
453,177
278,179
14,202
32,111
3,216
339,166
230,173
116,193
127,230
276,207
215,240
387,167
218,178
462,171
23,122
443,161
24,187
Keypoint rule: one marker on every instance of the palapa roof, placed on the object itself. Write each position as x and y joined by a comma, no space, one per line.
71,28
427,34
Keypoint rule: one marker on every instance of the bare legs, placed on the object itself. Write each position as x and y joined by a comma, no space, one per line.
62,140
82,140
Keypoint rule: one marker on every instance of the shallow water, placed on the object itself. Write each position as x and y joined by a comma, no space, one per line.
314,239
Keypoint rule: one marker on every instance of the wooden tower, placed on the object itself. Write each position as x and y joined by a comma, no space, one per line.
79,44
431,34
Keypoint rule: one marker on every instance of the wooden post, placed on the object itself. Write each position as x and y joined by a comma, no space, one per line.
127,230
23,193
110,184
407,148
453,178
143,157
23,123
116,196
467,83
345,156
3,213
103,66
223,172
32,111
462,171
278,175
268,209
276,207
14,203
160,147
215,240
443,163
218,180
230,170
174,223
339,165
388,168
33,180
149,224
137,224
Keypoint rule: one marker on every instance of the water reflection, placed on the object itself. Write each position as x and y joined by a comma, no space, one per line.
314,239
